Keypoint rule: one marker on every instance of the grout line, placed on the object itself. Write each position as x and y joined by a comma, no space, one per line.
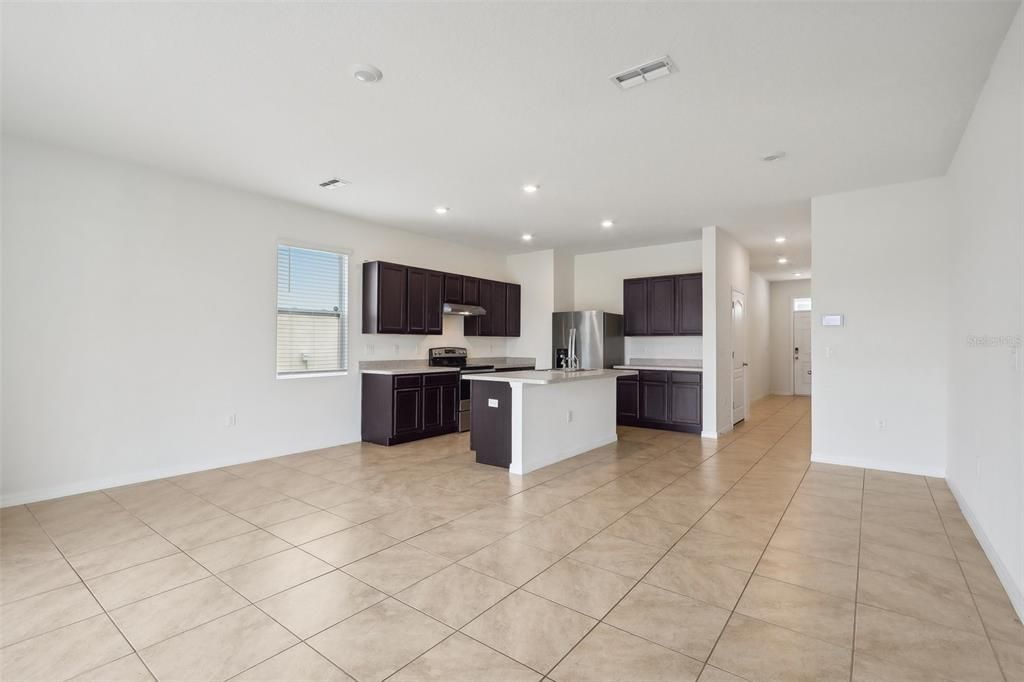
856,584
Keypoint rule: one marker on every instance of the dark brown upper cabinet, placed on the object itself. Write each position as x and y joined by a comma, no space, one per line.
453,288
385,296
416,301
498,309
513,324
666,305
689,305
435,291
471,291
634,306
661,306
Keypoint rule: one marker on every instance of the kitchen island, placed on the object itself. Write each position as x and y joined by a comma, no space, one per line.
529,420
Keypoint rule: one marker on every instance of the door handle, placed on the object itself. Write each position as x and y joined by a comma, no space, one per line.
746,364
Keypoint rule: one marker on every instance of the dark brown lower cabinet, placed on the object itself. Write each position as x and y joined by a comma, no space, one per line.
660,400
492,423
405,407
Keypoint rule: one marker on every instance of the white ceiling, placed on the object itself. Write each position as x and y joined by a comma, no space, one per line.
478,99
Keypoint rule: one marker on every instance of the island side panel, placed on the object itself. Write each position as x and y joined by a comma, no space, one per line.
548,436
491,424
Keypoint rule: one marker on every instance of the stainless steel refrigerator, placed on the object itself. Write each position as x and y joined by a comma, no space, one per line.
599,338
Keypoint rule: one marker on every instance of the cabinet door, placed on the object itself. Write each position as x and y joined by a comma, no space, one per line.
453,288
471,291
392,295
450,407
407,416
498,309
484,322
689,305
661,305
686,404
654,398
634,306
432,408
416,303
435,282
513,316
627,399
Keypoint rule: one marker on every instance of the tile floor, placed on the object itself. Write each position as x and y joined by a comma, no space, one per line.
662,557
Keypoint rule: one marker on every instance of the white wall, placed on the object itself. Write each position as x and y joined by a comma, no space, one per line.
986,449
598,286
781,331
758,334
565,280
881,258
139,311
536,273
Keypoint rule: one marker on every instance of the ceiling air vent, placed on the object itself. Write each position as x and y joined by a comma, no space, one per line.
644,73
334,182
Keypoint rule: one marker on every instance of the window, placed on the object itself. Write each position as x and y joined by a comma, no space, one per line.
801,304
312,311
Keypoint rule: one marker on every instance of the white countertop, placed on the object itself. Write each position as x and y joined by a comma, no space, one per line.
550,376
409,370
422,367
666,365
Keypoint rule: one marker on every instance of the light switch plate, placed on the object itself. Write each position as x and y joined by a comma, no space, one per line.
492,402
832,320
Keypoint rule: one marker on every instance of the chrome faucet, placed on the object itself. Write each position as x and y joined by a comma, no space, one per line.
572,361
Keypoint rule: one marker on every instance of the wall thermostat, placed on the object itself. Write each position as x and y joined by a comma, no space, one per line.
831,320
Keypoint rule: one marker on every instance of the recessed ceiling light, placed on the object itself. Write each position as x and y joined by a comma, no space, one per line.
440,210
774,156
334,182
780,240
607,223
783,260
531,189
527,237
796,274
365,73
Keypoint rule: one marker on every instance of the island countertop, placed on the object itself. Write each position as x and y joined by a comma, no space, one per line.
670,365
555,376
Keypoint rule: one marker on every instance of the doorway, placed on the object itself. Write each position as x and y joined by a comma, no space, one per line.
739,357
802,346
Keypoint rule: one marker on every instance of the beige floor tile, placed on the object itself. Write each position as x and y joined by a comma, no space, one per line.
935,544
367,508
830,577
65,652
36,615
954,609
512,562
455,595
757,650
870,669
224,554
839,548
530,629
126,669
461,659
588,514
34,579
310,527
808,612
981,579
720,549
931,648
712,674
1001,621
157,618
377,642
351,544
219,649
647,530
455,540
405,523
499,518
712,583
393,569
278,572
582,587
1011,658
746,527
239,496
125,555
111,530
610,654
821,522
618,555
207,532
943,575
138,582
928,521
553,535
320,603
295,664
672,620
277,512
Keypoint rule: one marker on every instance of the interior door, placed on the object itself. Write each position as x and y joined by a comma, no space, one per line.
739,357
802,352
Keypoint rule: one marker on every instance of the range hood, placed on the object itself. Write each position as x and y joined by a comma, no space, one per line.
464,310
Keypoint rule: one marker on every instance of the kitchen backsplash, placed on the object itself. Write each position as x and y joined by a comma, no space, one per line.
666,347
404,347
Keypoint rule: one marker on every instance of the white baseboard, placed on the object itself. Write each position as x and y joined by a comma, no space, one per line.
899,468
709,434
1014,591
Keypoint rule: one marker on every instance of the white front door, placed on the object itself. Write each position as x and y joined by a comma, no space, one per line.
739,357
802,352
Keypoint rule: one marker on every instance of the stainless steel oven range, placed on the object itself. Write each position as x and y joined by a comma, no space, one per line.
453,356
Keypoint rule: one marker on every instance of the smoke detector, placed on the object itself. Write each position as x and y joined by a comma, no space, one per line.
659,68
366,73
334,182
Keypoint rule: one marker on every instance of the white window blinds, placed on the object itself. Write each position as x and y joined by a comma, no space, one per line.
312,311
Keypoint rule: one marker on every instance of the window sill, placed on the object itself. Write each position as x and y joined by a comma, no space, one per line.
314,375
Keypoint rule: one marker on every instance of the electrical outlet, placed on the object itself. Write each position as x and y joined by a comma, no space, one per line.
881,425
397,349
231,420
369,349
